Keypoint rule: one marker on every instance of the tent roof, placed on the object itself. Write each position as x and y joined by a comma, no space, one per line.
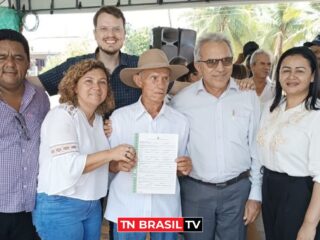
56,6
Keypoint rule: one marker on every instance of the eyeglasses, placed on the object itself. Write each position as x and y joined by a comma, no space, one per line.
213,63
114,30
24,132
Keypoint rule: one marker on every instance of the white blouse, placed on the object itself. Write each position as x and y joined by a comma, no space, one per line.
289,141
66,140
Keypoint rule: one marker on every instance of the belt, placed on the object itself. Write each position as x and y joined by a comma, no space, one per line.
226,183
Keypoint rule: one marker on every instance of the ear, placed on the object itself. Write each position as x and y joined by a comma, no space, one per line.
137,80
197,66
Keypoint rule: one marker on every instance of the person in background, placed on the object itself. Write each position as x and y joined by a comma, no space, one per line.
314,45
74,156
22,110
248,48
224,186
150,114
288,146
109,32
241,67
193,75
260,63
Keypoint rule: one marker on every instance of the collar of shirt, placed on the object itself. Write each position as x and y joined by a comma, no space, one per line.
232,85
140,110
27,97
299,108
123,57
29,92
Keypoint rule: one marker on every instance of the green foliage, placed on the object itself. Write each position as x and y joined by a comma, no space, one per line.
73,49
275,27
137,40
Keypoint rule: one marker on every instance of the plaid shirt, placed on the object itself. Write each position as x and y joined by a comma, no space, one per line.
19,150
123,94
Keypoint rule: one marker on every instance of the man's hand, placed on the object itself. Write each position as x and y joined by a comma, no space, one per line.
184,165
246,84
307,231
251,211
117,166
107,127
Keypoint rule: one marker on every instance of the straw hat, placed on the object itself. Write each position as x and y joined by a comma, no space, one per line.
151,59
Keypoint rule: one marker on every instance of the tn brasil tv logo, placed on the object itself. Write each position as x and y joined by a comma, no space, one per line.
136,224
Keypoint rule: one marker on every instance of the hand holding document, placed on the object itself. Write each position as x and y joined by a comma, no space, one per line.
156,170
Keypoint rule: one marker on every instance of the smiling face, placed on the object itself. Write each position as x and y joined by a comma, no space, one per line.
91,89
154,84
14,64
295,76
215,78
109,33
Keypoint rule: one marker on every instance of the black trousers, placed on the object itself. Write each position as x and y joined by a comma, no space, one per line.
285,200
17,226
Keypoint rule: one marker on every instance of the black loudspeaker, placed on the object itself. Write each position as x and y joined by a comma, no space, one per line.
175,42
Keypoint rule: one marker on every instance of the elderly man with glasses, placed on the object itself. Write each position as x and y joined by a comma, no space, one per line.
224,186
22,110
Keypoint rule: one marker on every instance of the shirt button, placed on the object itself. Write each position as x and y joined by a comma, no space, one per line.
25,168
24,186
23,150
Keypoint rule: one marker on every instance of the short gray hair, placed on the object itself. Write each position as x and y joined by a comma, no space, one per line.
259,52
210,37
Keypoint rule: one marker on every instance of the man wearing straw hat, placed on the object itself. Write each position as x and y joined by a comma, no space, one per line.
149,114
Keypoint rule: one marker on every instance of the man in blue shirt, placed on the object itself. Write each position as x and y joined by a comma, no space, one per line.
109,32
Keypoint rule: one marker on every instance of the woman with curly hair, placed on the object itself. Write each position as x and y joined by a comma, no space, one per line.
74,156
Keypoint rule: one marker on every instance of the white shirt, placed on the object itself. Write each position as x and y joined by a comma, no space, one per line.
66,140
289,141
268,93
127,121
222,133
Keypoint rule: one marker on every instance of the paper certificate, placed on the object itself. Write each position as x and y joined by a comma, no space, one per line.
156,170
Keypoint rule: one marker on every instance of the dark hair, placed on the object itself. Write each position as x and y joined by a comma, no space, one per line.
114,11
11,35
191,68
71,79
249,48
311,99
